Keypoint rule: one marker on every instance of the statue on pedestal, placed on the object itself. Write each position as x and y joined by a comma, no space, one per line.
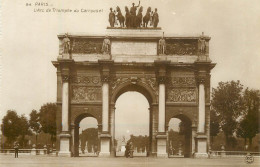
131,19
133,15
139,17
112,18
155,18
162,46
202,44
66,44
106,46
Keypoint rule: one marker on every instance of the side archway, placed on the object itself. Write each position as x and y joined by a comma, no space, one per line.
185,131
75,141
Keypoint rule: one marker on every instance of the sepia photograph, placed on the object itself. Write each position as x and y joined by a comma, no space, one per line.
134,83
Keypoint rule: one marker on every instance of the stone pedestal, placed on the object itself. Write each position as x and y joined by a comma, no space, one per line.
66,56
104,145
64,145
201,147
161,145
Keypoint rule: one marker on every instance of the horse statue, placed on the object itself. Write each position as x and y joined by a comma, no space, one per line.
147,17
139,17
127,17
120,17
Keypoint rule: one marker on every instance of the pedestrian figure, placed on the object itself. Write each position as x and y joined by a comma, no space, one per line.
131,150
16,150
127,150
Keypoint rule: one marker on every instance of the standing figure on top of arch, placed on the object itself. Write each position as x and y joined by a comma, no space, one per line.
66,44
146,18
112,18
202,44
162,46
115,18
155,18
133,15
106,46
139,17
120,17
127,17
151,19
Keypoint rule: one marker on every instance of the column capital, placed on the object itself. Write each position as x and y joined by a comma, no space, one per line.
105,78
72,126
65,77
201,79
161,79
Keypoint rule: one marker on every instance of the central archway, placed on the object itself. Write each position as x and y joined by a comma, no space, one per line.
150,99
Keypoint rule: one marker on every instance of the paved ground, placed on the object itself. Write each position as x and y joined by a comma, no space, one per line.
44,161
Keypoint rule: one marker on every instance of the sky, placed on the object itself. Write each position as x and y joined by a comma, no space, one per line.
29,41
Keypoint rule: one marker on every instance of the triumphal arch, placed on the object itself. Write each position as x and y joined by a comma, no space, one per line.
172,72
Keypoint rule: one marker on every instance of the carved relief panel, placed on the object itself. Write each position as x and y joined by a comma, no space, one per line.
181,89
85,94
87,46
182,95
85,88
181,47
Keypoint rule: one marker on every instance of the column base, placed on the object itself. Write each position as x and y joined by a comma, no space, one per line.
104,154
201,155
104,145
64,154
64,145
201,147
161,145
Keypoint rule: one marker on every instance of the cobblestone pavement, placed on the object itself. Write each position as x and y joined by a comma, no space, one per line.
46,161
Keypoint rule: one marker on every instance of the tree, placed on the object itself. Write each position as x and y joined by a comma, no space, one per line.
227,102
48,119
10,126
140,142
214,124
248,127
23,130
34,123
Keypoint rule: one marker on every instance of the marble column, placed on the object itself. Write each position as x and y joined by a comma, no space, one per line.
201,122
105,105
105,137
161,137
201,144
161,107
65,135
65,105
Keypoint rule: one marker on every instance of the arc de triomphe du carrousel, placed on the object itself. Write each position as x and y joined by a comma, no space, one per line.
172,72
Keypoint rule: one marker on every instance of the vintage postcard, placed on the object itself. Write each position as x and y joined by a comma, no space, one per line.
129,83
